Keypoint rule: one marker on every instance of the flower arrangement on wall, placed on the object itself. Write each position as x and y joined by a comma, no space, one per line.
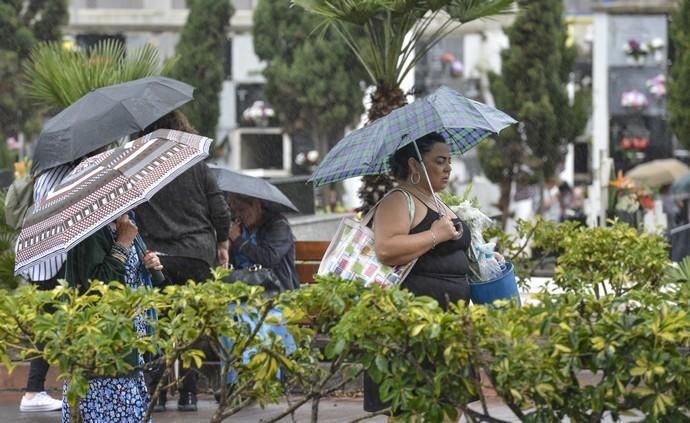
259,113
634,143
307,159
633,100
656,47
657,86
627,197
636,50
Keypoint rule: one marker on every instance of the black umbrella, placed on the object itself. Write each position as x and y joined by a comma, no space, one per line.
237,183
104,115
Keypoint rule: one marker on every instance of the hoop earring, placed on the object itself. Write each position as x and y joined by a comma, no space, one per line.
413,181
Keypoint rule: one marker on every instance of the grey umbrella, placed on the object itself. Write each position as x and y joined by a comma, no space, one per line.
237,183
104,115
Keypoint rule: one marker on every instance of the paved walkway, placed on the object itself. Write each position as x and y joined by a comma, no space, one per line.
330,411
334,410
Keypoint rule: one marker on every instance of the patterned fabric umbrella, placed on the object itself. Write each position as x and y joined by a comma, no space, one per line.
462,122
102,188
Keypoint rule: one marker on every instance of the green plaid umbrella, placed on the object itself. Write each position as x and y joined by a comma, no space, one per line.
462,122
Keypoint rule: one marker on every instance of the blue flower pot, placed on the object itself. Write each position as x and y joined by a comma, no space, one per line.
502,288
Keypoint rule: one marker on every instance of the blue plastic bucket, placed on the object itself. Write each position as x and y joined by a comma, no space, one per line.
502,288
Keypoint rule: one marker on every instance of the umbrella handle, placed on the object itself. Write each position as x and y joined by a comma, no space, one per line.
439,209
157,276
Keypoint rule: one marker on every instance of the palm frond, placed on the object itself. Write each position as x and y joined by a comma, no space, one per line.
469,10
56,77
681,273
354,11
397,34
7,278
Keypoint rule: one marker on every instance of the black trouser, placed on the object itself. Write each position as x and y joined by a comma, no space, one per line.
177,271
38,367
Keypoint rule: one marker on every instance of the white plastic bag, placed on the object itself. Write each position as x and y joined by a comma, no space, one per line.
489,267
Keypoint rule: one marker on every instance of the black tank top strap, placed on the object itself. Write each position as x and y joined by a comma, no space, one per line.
429,218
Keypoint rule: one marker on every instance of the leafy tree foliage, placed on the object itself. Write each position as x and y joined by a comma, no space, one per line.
200,52
312,80
532,89
23,24
679,83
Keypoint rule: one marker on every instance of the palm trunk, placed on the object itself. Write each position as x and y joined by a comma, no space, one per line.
384,100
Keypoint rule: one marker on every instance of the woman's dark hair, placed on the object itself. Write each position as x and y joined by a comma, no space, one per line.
174,120
398,161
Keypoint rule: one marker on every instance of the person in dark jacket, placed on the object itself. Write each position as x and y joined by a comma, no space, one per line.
260,236
187,221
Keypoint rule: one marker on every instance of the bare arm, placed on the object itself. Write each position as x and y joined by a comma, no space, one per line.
392,241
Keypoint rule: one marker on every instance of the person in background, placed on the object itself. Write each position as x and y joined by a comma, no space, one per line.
115,252
264,237
260,236
45,276
551,201
187,220
676,215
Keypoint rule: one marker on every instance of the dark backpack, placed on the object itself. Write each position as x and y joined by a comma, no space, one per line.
20,196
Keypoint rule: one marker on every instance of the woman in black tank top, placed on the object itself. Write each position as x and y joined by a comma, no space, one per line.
435,237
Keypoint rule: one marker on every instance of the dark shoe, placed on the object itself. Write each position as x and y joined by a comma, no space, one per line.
187,401
159,407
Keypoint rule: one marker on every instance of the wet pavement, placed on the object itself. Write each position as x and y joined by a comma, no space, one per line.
334,410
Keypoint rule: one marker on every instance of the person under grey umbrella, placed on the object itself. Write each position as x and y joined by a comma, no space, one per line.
259,235
188,221
238,183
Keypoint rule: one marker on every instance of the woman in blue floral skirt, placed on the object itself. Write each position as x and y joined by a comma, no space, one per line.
113,253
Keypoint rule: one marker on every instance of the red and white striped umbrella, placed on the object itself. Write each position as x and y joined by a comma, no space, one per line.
102,188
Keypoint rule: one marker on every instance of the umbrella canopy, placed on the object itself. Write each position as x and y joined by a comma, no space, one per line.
681,185
237,183
104,115
462,122
656,173
102,188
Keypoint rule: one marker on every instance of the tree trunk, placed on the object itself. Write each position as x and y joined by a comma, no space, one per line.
383,101
329,194
505,185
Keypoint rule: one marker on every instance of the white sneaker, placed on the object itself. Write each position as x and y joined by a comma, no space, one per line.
40,402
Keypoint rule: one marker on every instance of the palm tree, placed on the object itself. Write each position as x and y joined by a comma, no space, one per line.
57,77
398,33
